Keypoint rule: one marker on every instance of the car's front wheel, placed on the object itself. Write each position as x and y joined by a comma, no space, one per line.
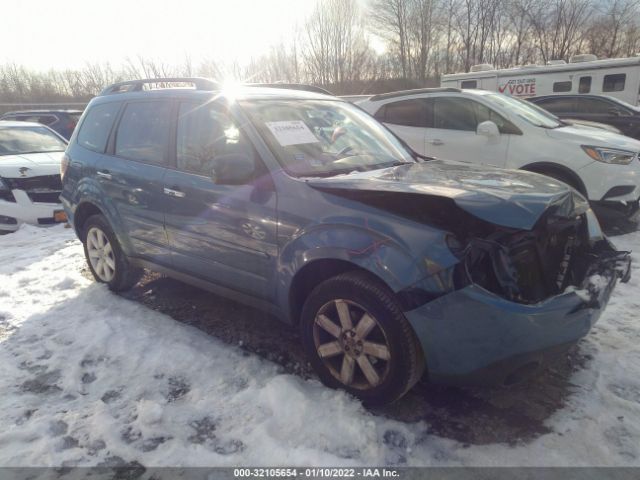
358,339
105,257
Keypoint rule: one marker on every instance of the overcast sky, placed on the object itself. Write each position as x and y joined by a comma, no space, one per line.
42,34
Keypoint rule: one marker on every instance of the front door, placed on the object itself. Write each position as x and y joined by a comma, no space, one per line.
453,135
221,232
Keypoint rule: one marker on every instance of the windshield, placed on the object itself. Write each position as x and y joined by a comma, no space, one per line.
526,111
324,137
21,140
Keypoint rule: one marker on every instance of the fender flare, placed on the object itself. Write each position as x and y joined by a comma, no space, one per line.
360,247
88,192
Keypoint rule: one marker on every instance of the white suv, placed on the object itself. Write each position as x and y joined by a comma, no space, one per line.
490,128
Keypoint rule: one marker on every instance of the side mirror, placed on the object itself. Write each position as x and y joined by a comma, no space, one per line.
233,169
488,129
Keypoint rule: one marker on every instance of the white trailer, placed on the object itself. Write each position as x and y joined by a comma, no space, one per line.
617,77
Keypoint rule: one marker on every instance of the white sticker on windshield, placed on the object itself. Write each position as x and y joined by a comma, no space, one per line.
291,132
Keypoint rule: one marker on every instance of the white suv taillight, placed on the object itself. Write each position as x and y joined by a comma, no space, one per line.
64,164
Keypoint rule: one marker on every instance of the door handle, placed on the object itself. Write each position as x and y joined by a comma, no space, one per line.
104,174
435,141
174,193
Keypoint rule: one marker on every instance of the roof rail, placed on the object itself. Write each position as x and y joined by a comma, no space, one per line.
136,85
292,86
415,91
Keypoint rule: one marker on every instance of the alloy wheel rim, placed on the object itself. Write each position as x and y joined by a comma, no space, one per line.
351,344
100,254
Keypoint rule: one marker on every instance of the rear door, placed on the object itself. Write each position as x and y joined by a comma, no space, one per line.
131,175
454,137
222,233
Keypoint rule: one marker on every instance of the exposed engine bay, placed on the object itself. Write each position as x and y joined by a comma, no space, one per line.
523,266
529,266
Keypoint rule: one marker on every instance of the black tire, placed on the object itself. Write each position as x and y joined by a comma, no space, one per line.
362,291
125,275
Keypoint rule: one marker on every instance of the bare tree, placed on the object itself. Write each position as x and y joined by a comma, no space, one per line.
558,26
390,19
337,48
613,28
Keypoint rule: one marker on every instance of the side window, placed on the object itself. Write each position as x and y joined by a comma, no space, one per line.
562,86
484,113
43,119
558,105
207,133
143,132
410,113
454,114
469,84
381,113
96,126
595,105
585,85
49,119
614,82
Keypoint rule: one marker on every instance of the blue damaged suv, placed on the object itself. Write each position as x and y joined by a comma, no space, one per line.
390,264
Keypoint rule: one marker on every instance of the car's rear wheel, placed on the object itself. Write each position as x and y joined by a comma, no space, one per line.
358,339
105,257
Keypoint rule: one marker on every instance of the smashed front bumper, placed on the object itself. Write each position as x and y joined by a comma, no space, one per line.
23,208
473,336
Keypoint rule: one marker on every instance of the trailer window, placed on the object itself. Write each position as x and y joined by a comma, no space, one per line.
562,86
614,82
469,84
585,85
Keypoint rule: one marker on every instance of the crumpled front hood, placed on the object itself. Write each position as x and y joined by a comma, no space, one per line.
510,198
30,165
597,137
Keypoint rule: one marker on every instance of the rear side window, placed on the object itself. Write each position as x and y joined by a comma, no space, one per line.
614,83
410,113
585,85
558,105
562,86
96,126
143,132
595,105
454,114
469,84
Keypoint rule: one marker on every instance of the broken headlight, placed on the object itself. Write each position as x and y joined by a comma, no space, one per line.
5,191
609,155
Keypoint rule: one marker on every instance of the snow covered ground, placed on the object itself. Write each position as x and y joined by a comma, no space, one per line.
88,378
